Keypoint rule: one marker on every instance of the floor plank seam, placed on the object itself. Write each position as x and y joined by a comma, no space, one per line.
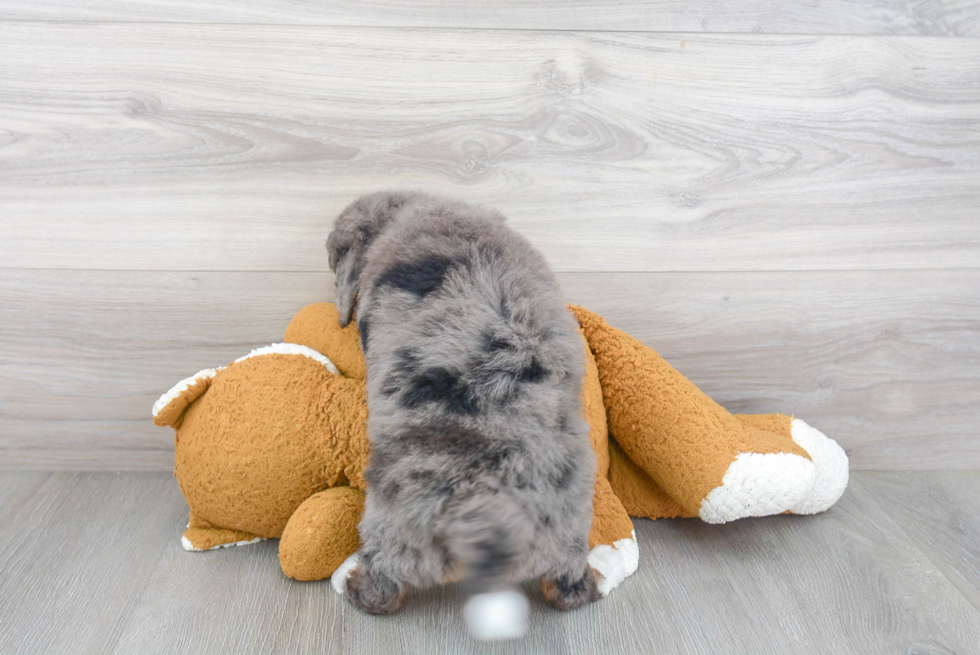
461,28
948,574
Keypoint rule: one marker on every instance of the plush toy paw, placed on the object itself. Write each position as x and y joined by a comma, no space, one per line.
759,484
321,533
773,483
614,563
201,535
830,462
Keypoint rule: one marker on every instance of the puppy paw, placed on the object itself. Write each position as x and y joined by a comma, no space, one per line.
372,591
566,593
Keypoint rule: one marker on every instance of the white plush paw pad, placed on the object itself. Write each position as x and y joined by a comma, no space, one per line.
343,572
614,563
497,615
189,546
831,464
757,484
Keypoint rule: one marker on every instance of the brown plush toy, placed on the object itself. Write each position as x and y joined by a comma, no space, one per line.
275,445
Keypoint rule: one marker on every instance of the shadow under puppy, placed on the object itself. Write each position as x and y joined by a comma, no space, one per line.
480,465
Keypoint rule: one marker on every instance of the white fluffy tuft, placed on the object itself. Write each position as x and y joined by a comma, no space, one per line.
615,563
497,615
343,572
831,462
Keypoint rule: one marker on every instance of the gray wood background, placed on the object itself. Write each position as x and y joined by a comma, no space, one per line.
783,198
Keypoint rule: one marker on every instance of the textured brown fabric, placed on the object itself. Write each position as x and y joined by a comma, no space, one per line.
317,327
595,412
682,438
637,491
270,432
610,522
173,413
206,538
321,534
778,424
642,497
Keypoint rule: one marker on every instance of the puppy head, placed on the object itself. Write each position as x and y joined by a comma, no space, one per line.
354,231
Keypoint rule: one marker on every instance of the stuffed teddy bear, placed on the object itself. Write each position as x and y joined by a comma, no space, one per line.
275,445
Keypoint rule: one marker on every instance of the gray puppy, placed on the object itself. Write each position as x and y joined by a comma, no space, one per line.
480,465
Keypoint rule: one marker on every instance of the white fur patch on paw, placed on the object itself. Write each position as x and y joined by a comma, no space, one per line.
497,615
343,572
757,484
291,349
188,546
832,470
615,563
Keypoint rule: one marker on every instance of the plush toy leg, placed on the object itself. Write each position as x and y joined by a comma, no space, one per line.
614,553
640,495
694,449
201,535
321,534
828,457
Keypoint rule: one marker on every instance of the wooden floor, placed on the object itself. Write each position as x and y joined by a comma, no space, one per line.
92,563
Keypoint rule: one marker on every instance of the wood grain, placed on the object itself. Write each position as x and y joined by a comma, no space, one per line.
99,444
922,17
849,581
886,362
823,584
216,147
941,514
76,552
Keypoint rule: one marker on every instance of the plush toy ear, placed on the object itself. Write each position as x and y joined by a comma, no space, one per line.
346,264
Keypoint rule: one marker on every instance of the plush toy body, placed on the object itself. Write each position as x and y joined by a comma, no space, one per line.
275,445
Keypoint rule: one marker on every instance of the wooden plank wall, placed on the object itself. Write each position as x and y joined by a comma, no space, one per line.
783,200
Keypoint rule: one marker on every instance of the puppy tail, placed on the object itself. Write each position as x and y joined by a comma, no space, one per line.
485,533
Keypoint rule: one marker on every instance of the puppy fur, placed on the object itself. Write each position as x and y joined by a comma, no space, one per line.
480,462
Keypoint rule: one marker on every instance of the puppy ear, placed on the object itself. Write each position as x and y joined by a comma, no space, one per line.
346,264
